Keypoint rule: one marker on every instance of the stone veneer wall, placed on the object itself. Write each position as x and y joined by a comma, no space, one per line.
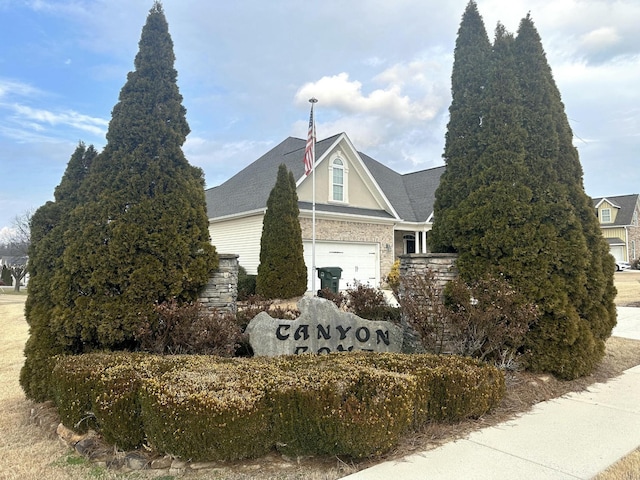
444,267
333,230
221,292
443,264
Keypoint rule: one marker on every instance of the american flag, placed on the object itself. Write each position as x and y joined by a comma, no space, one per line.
309,151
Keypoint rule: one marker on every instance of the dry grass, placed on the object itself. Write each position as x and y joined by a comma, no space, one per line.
628,285
30,452
626,469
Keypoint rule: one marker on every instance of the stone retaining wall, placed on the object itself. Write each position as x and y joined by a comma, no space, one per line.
221,292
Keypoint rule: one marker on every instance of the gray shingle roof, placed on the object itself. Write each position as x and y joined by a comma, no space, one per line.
412,195
627,204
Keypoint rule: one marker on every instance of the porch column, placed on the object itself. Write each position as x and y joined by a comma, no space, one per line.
424,242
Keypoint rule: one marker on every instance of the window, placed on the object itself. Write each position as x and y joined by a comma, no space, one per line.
605,215
634,222
409,243
337,180
633,250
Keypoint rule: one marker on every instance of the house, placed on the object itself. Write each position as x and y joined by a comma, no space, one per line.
366,214
618,218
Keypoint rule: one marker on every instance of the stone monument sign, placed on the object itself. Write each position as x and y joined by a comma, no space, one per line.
321,328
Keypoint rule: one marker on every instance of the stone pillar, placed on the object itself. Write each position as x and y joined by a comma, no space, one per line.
443,265
221,292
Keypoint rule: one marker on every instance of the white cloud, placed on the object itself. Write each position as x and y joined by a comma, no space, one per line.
599,38
346,95
34,118
216,156
10,88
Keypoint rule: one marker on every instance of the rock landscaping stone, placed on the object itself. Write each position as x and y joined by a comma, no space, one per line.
321,328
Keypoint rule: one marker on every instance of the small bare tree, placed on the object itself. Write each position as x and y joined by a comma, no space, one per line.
16,249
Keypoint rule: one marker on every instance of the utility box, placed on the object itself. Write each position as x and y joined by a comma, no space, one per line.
329,278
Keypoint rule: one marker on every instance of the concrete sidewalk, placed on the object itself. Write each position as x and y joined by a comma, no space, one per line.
573,437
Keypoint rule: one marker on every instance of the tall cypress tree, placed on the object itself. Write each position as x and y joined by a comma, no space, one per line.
524,214
141,237
569,341
492,222
462,148
282,272
48,226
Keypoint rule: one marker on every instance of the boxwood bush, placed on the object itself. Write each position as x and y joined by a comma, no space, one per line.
208,408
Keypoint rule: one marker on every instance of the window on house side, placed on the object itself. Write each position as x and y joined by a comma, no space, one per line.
633,250
605,215
338,181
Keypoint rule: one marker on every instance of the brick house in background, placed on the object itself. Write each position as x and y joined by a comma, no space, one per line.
366,213
618,217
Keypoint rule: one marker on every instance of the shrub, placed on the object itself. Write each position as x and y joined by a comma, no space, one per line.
246,284
449,388
212,408
393,278
282,272
368,302
331,406
338,298
488,319
190,329
101,391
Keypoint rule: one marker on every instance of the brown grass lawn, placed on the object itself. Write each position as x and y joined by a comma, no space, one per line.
28,451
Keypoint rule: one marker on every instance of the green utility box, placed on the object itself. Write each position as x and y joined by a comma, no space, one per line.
329,278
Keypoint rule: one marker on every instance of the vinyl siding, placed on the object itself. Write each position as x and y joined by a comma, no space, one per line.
616,232
240,237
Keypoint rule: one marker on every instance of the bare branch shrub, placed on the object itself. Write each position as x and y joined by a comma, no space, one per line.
369,303
190,329
488,320
422,308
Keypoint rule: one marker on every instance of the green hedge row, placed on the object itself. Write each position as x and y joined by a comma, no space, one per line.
209,408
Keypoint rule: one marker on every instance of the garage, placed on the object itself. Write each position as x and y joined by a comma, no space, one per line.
359,262
618,252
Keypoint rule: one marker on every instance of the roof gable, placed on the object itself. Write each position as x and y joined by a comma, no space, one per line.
407,197
626,205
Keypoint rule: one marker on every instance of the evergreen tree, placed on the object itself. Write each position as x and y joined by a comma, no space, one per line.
569,345
462,148
48,226
6,276
142,236
282,272
128,228
523,213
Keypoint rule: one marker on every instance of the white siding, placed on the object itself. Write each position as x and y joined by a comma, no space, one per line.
240,237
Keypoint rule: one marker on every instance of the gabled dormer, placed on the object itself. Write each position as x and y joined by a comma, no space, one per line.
342,179
607,211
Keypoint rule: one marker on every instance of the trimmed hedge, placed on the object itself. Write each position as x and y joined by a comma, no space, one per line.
207,408
329,407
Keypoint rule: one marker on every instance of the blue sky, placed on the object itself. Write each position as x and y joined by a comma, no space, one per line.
380,69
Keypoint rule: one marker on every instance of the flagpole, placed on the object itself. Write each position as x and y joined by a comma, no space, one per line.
312,101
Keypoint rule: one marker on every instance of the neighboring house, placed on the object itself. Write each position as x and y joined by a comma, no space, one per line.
618,218
366,213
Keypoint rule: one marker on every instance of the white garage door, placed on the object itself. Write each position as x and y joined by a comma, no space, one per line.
617,252
359,261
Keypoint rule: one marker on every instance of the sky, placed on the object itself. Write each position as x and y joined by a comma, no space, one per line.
380,70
